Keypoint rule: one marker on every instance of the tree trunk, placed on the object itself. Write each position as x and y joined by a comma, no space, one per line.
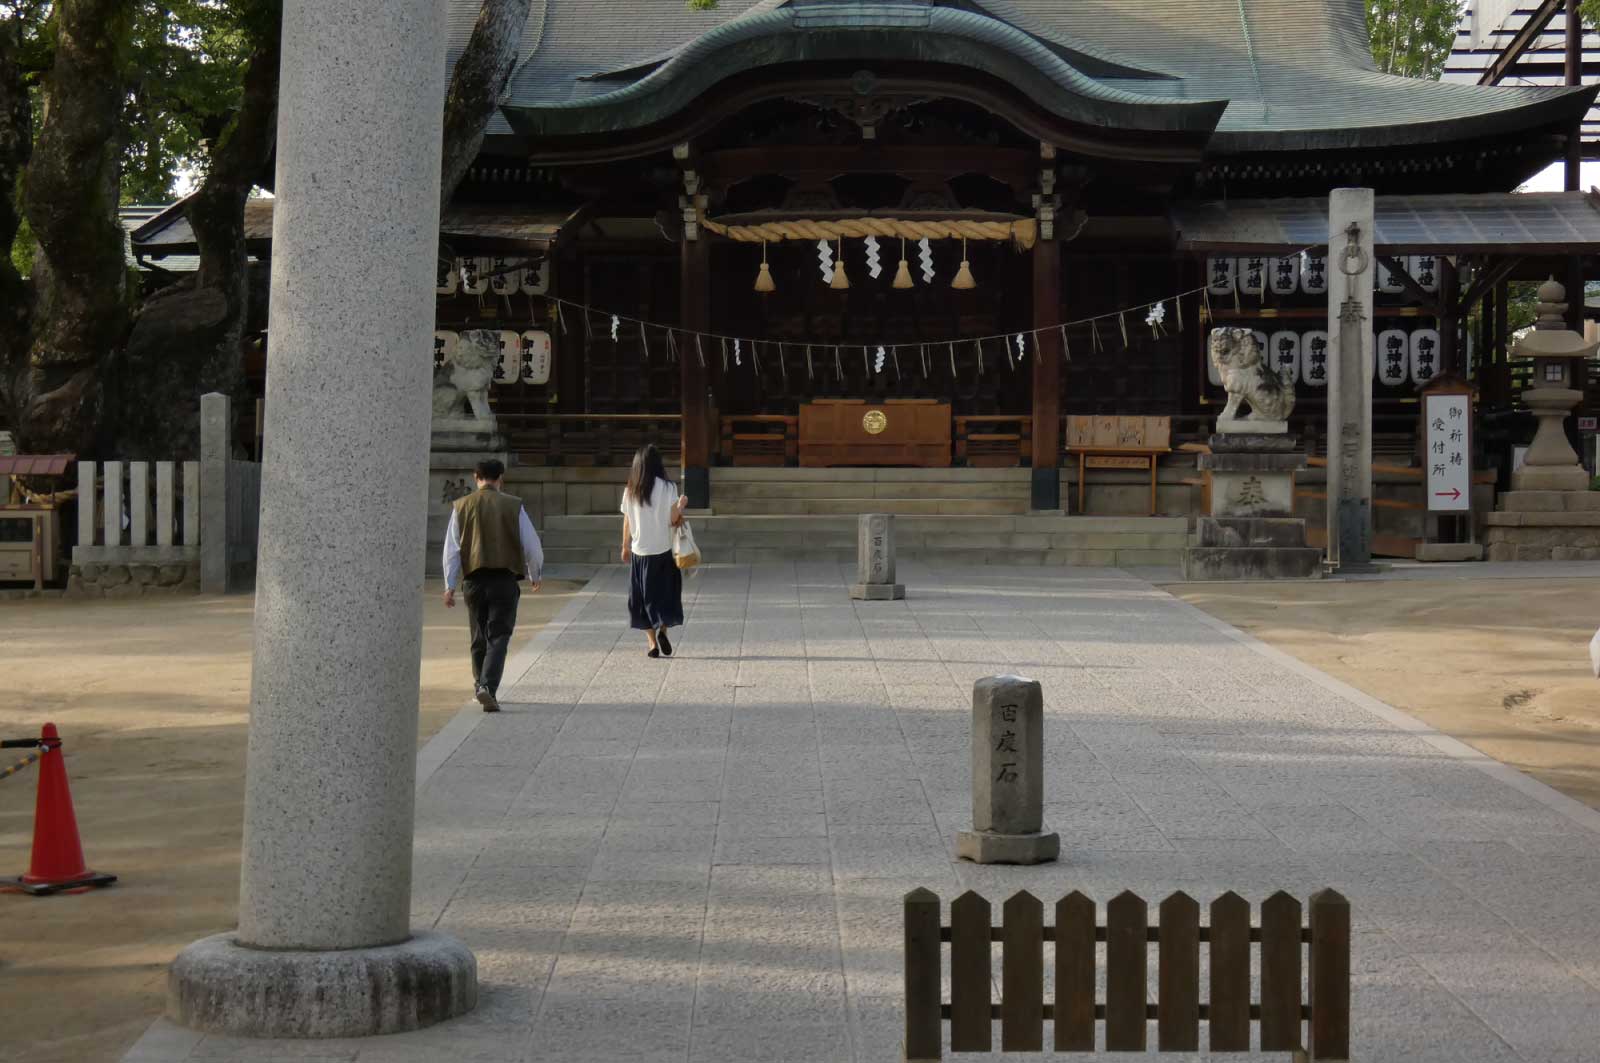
480,79
81,278
16,144
186,340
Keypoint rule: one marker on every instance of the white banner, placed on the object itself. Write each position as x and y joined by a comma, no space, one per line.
1448,421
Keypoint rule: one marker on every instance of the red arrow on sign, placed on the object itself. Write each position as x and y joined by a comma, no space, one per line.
1452,494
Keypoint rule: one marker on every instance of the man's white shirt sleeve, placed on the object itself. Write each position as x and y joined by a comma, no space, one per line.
452,553
532,551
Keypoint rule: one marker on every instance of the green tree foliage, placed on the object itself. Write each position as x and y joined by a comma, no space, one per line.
1413,38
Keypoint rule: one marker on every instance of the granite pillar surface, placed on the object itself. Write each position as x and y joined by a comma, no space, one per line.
1007,775
329,785
1351,269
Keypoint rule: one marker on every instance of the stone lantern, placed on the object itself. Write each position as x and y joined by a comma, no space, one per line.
1557,353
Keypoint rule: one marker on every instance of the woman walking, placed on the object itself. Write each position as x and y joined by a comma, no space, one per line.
651,508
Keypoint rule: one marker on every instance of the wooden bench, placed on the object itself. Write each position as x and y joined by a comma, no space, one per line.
759,439
1110,442
1318,1023
994,441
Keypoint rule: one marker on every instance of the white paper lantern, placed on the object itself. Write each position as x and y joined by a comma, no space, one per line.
474,275
448,278
536,279
1393,357
444,348
1220,273
1314,359
1285,274
536,358
1424,355
1314,274
1253,274
1389,282
503,279
1283,352
509,366
1424,269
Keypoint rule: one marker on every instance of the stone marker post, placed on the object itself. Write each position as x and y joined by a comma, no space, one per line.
1007,775
875,560
1351,269
324,946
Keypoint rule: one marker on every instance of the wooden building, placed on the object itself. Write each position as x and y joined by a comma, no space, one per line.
1081,162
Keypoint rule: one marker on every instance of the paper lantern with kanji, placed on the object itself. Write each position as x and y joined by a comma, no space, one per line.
447,278
509,366
536,358
1253,274
1314,359
474,275
444,348
1220,274
1284,274
536,278
1283,352
1314,274
1424,355
1424,269
504,278
1389,281
1393,357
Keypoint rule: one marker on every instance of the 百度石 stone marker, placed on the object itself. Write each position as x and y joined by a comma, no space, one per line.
875,560
1007,775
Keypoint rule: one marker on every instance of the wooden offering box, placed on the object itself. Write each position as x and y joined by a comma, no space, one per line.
853,432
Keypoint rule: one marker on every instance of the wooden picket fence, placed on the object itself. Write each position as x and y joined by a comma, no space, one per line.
1126,935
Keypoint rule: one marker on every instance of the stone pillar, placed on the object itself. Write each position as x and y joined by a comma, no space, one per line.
1045,495
216,448
324,946
1007,775
1350,351
875,560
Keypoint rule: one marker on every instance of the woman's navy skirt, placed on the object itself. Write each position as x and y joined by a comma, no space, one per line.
655,592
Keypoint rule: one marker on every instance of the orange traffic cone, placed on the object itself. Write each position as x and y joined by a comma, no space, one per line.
57,862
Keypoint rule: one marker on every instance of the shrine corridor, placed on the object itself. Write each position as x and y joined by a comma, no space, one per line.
703,859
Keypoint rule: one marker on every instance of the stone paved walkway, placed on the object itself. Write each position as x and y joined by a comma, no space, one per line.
702,860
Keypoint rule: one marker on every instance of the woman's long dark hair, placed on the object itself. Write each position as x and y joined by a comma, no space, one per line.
647,469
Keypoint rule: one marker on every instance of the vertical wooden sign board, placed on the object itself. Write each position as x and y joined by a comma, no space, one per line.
1447,449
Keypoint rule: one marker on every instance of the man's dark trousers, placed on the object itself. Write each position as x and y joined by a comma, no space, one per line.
492,596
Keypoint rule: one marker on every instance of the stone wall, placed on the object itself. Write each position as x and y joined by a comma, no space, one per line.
1545,526
139,580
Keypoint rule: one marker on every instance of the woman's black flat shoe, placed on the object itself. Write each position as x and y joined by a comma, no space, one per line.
665,643
653,652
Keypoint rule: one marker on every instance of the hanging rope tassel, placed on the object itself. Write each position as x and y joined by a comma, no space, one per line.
1066,345
924,354
838,363
977,345
1177,302
700,350
810,372
1094,335
783,364
644,339
952,361
672,347
1122,322
724,340
894,352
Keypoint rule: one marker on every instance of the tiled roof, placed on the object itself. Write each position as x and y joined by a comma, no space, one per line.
1295,73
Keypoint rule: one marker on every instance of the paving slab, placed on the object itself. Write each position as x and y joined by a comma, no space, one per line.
702,858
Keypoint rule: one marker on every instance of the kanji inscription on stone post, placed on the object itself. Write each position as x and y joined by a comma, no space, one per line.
1007,775
875,560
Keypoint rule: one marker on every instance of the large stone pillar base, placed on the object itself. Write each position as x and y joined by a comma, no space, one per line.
1250,533
218,986
987,847
1550,478
878,592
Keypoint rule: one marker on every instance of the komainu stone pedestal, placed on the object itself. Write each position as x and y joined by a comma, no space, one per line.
1007,775
1250,532
875,560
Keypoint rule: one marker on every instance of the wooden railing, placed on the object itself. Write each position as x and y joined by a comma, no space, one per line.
994,441
1127,934
588,438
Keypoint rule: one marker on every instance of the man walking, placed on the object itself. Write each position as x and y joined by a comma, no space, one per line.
491,539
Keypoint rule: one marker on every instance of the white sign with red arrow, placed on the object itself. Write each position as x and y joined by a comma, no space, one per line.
1448,423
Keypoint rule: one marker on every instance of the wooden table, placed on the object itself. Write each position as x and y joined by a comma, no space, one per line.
1110,442
854,432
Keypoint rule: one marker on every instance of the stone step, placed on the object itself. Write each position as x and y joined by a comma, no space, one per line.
1550,502
846,489
752,554
906,525
792,506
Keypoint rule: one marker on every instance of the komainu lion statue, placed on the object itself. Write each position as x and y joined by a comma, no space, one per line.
467,376
1245,376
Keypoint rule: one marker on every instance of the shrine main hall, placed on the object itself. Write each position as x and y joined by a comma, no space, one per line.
959,258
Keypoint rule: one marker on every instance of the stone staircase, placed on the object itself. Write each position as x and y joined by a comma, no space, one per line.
841,492
939,538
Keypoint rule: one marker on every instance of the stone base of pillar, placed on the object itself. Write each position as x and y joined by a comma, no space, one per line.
1251,533
1550,478
878,592
1449,551
987,847
1545,526
218,986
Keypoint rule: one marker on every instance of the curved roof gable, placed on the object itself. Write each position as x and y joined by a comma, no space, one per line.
1294,74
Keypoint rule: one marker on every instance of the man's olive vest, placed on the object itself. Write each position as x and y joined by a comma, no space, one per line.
490,523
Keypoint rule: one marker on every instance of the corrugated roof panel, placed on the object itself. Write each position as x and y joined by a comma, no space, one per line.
1538,222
